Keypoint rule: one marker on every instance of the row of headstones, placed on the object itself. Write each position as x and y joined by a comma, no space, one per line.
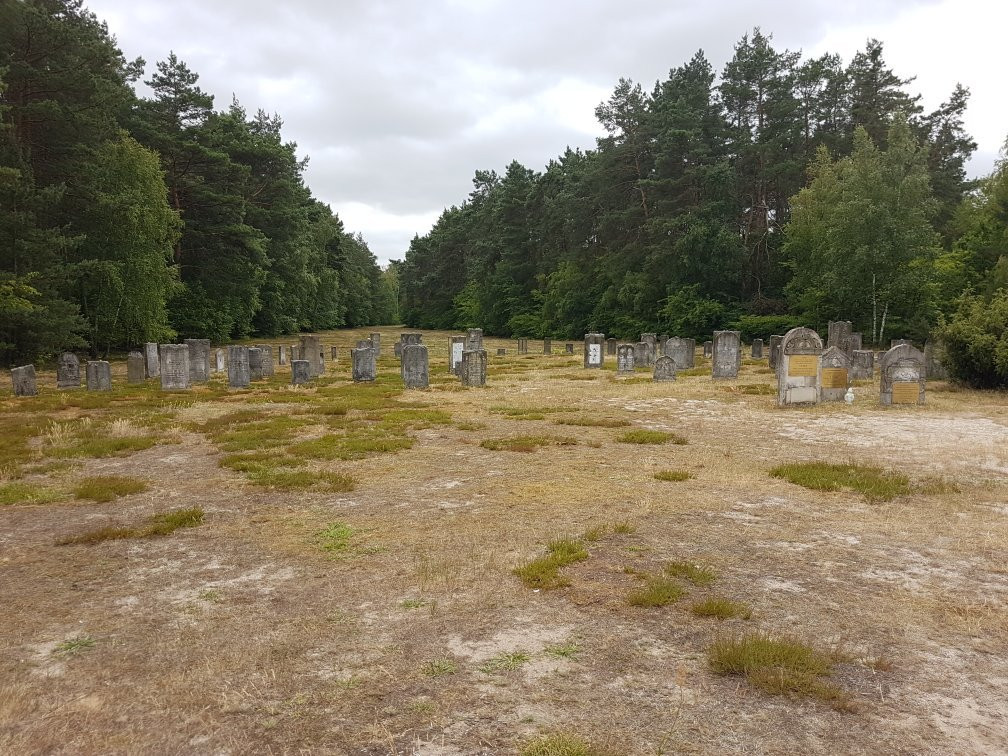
547,347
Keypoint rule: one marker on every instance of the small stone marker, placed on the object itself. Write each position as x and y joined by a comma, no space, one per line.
680,351
282,355
300,372
611,345
268,370
363,366
863,365
474,339
798,367
774,355
135,370
625,358
594,344
664,369
456,345
901,372
174,367
474,365
569,348
501,352
757,349
255,358
152,361
220,360
523,346
199,360
547,346
99,375
68,371
375,344
708,349
641,351
311,351
238,369
415,368
652,341
334,353
834,375
24,382
396,349
727,354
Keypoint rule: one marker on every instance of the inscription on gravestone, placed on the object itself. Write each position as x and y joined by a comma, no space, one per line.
798,367
594,344
456,345
726,357
625,358
681,352
68,371
863,365
174,367
664,369
300,372
363,364
901,376
24,381
199,360
834,378
135,370
474,364
239,372
474,339
415,367
255,358
98,375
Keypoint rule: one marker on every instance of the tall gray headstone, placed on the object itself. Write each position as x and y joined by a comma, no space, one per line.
594,350
282,354
522,346
456,345
610,345
840,335
691,354
98,375
547,346
311,351
641,352
774,355
24,382
834,375
726,355
199,360
221,360
757,349
652,341
174,367
863,365
474,367
396,349
300,372
681,352
474,340
799,367
268,369
295,352
415,368
902,376
375,344
334,353
625,361
239,370
664,369
68,371
152,361
135,369
363,367
255,358
662,338
708,349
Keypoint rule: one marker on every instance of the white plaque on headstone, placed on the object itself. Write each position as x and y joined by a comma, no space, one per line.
457,353
594,354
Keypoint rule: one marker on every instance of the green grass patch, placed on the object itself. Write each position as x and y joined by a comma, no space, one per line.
104,488
557,744
440,667
721,608
74,645
592,422
623,528
162,524
470,426
695,573
874,483
335,539
566,650
526,443
657,591
525,413
644,436
752,389
673,476
702,370
544,573
27,493
507,661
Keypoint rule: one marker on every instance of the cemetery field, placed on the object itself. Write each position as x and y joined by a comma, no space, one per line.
564,561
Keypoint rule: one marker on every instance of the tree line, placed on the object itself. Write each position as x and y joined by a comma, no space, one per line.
126,219
786,191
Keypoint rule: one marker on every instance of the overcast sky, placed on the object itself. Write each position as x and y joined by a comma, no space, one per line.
397,104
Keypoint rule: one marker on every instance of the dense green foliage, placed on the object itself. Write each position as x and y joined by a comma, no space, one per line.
783,192
124,219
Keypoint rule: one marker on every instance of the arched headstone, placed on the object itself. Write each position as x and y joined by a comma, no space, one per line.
727,354
664,369
834,375
798,367
902,376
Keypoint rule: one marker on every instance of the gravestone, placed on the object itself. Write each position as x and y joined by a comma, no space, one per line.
708,349
282,355
375,344
610,345
98,375
934,354
569,348
798,367
757,349
24,382
774,355
174,367
255,358
152,362
625,358
310,351
238,369
652,341
221,364
834,375
300,372
641,350
135,371
474,340
662,338
334,353
199,360
901,373
839,335
321,357
522,346
691,353
456,345
268,369
594,350
415,369
396,350
680,351
501,352
364,344
899,342
474,367
295,352
410,338
726,356
855,342
863,365
363,366
547,346
68,371
664,369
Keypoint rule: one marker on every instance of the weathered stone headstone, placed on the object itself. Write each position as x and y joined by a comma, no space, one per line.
99,375
774,356
363,366
295,352
934,354
662,338
798,367
24,382
691,354
501,352
708,349
152,361
268,369
726,355
641,351
664,369
415,368
611,345
839,334
375,344
547,346
474,367
174,367
863,365
757,349
680,351
902,376
239,372
410,338
568,348
625,358
474,340
456,345
396,350
364,344
522,346
220,360
300,372
594,350
310,350
282,354
199,360
855,342
834,375
321,359
652,341
135,369
68,371
334,353
255,358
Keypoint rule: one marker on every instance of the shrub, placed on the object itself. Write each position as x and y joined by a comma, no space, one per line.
976,341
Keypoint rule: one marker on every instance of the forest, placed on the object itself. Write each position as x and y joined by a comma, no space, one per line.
784,192
126,219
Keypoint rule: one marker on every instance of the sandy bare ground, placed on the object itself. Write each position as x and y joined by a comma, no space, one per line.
243,636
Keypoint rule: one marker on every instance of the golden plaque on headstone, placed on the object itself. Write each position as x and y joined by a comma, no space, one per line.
905,392
834,378
803,365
